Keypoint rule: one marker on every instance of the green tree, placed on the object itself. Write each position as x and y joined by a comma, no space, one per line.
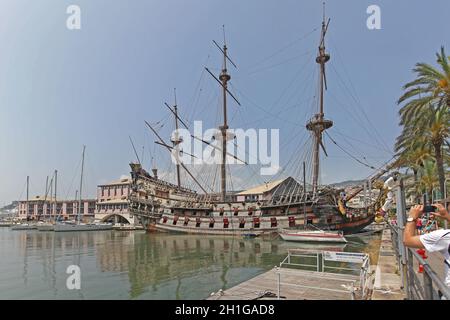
425,115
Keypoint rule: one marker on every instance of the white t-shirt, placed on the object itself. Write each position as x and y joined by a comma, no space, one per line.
436,241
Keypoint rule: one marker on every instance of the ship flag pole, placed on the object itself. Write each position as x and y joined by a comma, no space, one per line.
318,124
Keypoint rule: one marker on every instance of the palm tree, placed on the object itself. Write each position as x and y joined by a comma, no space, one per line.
428,179
430,89
412,153
425,115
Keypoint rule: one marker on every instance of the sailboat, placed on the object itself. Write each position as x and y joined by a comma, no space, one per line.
49,225
25,225
163,206
78,225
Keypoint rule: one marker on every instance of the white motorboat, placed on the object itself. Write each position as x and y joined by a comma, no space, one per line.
312,236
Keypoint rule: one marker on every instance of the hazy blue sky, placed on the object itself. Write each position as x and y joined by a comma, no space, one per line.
60,89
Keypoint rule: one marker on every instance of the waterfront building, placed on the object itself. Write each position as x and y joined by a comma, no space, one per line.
112,202
45,208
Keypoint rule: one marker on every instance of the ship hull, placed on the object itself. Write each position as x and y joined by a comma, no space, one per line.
81,227
234,229
46,227
23,227
312,236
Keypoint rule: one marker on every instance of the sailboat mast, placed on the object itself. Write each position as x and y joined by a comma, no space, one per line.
318,124
304,193
28,189
45,199
56,184
177,138
224,78
81,184
51,196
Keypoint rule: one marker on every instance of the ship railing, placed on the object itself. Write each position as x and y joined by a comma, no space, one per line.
141,200
327,261
430,287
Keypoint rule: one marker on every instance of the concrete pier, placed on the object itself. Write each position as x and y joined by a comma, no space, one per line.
388,282
294,285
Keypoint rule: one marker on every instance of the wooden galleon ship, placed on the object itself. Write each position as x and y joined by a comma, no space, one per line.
282,204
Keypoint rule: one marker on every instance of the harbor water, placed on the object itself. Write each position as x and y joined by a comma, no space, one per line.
139,265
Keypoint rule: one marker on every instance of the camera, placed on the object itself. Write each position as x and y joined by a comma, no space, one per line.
427,209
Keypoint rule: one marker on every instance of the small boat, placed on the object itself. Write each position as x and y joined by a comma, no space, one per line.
67,227
250,235
45,226
5,224
127,227
312,236
24,226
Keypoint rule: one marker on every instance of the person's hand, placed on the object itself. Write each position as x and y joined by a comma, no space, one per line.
416,211
442,212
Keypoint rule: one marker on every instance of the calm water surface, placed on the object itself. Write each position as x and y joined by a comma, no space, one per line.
137,265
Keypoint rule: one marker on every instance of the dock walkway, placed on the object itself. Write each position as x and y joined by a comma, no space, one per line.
295,284
388,282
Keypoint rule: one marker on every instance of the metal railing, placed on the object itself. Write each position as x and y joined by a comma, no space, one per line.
430,287
320,265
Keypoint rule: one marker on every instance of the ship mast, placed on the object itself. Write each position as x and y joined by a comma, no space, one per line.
224,78
176,140
318,124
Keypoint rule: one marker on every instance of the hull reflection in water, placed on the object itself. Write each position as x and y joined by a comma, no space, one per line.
135,265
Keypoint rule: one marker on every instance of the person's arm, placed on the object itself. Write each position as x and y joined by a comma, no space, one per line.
410,239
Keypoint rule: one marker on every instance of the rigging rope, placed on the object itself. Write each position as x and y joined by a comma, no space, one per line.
349,154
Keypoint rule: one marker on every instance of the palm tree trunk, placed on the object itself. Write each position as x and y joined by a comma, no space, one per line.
440,167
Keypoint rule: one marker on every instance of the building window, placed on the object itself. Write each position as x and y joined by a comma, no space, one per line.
256,222
225,223
197,222
175,220
242,223
211,223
